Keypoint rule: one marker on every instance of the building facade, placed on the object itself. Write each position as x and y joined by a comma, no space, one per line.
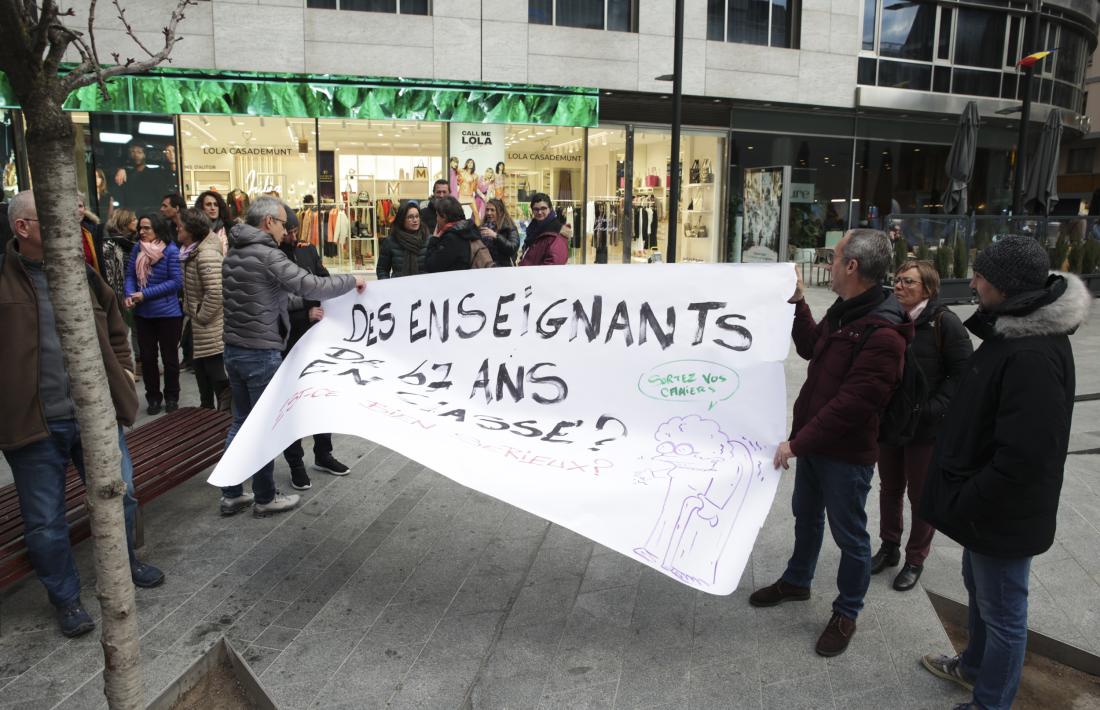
346,107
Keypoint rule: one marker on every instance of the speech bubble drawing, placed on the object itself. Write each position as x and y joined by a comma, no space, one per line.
689,381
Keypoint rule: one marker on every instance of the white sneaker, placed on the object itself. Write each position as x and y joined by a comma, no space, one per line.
278,504
232,506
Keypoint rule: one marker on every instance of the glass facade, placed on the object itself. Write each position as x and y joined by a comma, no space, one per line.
405,7
929,46
772,23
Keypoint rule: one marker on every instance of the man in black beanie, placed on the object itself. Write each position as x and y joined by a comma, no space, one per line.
996,474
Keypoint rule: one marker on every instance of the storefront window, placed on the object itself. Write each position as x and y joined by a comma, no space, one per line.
242,158
10,177
820,173
367,168
136,161
541,159
610,240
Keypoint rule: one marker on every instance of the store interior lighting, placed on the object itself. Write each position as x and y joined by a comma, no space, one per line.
106,137
156,128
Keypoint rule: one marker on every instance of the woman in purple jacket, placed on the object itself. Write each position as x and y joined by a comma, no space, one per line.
153,285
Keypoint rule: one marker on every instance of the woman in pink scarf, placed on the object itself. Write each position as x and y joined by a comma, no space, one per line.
153,284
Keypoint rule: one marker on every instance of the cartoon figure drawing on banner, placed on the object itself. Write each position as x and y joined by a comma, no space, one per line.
709,475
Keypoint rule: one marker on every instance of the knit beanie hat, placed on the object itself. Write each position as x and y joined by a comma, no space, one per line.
1014,264
291,218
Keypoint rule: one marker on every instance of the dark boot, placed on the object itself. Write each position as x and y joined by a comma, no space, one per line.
171,405
836,636
778,593
888,555
154,405
225,400
907,577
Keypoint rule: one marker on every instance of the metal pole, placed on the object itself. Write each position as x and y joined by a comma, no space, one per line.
677,117
627,230
1031,30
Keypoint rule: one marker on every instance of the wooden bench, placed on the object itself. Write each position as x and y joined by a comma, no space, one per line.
165,452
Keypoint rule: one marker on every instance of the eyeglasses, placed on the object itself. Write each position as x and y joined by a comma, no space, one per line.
908,281
280,221
540,210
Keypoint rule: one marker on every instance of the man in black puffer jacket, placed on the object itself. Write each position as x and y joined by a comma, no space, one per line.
257,282
303,314
996,473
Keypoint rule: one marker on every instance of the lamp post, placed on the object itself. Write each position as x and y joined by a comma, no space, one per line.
677,78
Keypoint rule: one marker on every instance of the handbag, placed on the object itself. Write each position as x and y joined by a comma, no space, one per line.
705,172
420,172
693,176
363,198
652,180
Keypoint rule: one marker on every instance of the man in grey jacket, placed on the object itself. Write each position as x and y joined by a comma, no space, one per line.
257,281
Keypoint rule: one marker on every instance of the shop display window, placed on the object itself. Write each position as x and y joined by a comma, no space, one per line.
243,157
544,159
367,168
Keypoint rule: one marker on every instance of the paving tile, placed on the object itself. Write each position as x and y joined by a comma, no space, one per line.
295,696
370,675
731,683
517,669
597,697
18,652
442,674
541,603
610,569
277,637
405,624
252,623
259,658
311,657
803,692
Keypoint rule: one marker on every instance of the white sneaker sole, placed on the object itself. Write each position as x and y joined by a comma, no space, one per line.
329,471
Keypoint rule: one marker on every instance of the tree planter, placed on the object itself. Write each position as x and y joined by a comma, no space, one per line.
1092,281
221,679
955,292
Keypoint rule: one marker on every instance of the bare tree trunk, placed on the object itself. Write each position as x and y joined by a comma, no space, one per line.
50,149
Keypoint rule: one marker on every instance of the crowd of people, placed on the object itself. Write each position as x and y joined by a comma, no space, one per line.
979,456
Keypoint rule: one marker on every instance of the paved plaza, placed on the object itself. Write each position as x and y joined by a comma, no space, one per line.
395,587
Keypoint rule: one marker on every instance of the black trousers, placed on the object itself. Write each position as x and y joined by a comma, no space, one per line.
322,444
213,382
163,335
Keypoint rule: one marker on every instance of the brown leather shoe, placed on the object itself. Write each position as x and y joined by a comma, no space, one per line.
836,636
778,593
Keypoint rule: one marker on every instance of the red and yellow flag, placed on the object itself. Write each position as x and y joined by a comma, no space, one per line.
1035,58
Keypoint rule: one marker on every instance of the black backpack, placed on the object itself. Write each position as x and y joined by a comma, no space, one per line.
899,421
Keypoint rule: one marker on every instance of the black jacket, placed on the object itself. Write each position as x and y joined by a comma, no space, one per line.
450,251
942,347
392,256
427,215
306,257
996,473
505,246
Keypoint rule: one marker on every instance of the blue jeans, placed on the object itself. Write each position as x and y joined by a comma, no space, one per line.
827,487
994,655
39,473
249,372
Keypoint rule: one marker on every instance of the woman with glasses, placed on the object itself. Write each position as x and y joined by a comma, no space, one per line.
547,240
153,285
499,233
402,251
942,347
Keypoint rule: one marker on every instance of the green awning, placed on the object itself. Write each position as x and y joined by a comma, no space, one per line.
183,91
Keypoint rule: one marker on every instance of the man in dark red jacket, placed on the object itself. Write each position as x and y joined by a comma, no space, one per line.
836,423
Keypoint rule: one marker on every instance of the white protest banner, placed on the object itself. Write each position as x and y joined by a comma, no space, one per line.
637,406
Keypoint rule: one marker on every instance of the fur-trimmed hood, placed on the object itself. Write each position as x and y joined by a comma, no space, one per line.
1058,309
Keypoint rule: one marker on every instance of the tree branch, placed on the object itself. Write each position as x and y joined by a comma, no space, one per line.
98,74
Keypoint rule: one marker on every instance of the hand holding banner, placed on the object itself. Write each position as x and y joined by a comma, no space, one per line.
637,407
